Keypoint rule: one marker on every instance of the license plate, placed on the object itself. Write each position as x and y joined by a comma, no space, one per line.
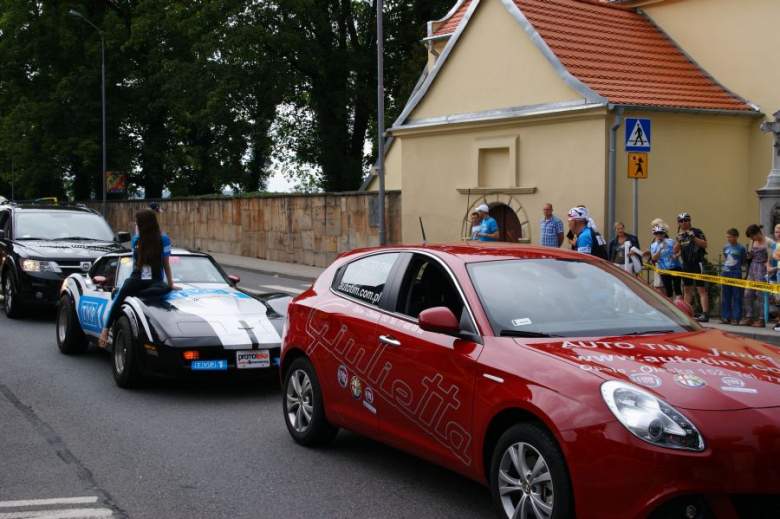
206,365
253,359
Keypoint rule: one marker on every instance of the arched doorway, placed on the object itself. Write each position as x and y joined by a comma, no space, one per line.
509,228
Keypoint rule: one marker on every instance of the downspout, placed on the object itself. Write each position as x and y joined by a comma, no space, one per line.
612,166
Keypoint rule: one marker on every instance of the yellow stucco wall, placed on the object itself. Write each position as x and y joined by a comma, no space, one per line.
736,42
697,165
563,158
489,68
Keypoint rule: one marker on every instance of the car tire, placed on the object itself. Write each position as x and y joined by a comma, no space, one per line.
304,412
528,475
124,355
70,337
13,308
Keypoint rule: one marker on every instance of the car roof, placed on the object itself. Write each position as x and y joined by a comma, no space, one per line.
35,208
477,252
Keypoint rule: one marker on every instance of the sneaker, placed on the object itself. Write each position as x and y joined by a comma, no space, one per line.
725,321
777,327
703,318
746,322
759,324
735,322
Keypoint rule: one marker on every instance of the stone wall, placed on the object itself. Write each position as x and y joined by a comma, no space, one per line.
307,229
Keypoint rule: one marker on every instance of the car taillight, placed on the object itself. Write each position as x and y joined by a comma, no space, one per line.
191,355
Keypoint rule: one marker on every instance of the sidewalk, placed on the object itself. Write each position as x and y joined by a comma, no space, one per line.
766,334
271,268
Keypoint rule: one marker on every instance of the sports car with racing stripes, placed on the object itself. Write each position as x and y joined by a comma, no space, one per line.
209,326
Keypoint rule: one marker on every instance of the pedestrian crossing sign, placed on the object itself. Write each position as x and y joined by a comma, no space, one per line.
637,134
637,165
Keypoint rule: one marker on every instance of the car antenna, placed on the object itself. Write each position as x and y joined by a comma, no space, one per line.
425,241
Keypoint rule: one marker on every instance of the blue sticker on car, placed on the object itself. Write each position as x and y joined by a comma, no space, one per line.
194,292
91,313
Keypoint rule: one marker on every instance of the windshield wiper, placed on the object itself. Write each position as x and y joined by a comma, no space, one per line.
33,238
650,332
522,333
84,238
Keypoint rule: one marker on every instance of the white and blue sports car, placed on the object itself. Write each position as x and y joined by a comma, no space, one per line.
207,327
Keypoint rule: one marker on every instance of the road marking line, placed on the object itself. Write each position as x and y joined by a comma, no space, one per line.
71,513
284,289
55,501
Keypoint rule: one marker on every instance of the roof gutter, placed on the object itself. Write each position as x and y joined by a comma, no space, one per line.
695,111
612,182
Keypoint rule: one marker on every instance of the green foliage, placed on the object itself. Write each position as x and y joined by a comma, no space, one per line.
199,95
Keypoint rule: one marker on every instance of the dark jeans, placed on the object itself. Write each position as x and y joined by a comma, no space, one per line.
134,287
731,300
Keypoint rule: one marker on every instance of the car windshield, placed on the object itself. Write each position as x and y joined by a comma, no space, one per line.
185,269
62,225
571,298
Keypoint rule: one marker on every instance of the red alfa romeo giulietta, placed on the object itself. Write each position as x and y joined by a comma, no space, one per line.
567,386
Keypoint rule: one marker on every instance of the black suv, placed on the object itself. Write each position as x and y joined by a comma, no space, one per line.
41,245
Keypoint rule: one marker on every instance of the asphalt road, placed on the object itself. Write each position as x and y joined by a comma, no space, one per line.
180,449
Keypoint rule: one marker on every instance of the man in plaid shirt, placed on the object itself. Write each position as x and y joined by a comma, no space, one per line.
552,228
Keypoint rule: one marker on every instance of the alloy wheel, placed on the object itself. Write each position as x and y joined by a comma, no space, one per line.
299,401
525,486
120,351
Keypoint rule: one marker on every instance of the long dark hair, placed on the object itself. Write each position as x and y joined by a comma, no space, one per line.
148,247
753,229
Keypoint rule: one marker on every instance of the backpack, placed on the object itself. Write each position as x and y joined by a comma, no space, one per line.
599,247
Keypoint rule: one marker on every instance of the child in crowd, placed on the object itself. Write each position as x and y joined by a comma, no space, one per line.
735,255
662,253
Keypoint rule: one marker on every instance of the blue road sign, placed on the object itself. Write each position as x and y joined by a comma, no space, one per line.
637,134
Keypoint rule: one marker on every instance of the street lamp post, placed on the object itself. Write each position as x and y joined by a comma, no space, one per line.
103,96
380,165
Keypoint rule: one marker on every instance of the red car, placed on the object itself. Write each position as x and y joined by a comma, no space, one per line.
568,386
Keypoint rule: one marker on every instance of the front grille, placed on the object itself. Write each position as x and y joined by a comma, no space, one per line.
756,506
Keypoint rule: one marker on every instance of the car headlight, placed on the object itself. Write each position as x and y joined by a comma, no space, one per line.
30,265
649,418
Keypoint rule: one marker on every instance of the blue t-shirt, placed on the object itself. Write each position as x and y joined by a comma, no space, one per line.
166,252
667,259
585,241
733,257
489,226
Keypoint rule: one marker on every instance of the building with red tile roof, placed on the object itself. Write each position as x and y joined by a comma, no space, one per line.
519,95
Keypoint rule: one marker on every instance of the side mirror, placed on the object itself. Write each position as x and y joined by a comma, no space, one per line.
124,236
685,307
439,319
99,281
235,279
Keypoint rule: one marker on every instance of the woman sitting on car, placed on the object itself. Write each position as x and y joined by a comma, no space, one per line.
151,250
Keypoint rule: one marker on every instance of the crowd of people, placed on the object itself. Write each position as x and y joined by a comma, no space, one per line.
683,253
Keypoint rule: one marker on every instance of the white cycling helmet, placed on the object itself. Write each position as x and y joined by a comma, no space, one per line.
659,229
578,213
683,216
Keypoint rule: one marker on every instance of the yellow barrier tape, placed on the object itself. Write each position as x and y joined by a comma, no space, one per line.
741,283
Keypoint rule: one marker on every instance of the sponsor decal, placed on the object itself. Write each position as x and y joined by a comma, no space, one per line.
196,293
85,266
369,395
732,382
430,402
369,407
355,387
690,381
253,359
91,313
343,376
646,379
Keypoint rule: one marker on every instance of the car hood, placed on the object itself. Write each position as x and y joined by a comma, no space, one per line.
706,370
206,311
68,250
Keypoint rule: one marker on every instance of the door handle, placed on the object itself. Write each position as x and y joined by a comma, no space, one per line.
388,339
